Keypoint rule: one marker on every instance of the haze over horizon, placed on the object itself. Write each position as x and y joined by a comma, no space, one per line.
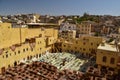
60,7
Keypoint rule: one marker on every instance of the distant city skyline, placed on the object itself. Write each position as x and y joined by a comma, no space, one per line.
60,7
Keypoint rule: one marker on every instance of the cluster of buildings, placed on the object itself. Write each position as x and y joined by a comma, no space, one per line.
106,25
25,43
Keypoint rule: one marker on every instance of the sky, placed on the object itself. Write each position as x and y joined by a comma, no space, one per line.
60,7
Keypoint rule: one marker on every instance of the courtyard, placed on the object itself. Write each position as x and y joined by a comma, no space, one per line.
68,61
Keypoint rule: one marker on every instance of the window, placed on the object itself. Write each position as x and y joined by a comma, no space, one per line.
8,65
70,35
91,43
112,60
83,49
36,55
39,55
75,47
6,55
18,52
97,44
71,50
23,50
76,42
15,53
38,42
104,59
26,49
89,49
31,57
40,48
84,43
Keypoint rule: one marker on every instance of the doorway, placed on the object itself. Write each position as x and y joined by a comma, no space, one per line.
3,70
15,63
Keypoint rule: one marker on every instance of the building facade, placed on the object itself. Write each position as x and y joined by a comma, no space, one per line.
18,44
84,28
83,45
67,26
108,57
69,34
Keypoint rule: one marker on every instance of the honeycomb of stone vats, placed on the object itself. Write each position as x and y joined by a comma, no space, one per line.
39,71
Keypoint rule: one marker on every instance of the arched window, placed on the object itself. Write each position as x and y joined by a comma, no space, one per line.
112,60
104,59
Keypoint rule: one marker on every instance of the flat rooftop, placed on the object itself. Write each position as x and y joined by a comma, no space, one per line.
42,24
107,47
